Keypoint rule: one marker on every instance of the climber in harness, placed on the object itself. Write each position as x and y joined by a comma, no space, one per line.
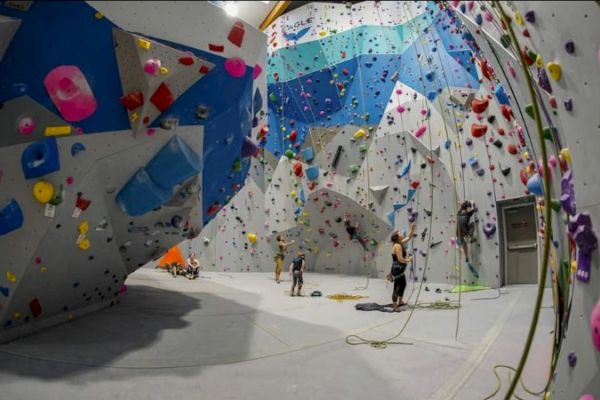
352,231
397,273
279,256
296,270
465,229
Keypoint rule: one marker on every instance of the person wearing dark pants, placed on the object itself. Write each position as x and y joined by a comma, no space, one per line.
465,229
296,270
352,231
398,271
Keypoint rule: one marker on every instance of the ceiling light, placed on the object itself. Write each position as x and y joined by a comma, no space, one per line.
231,8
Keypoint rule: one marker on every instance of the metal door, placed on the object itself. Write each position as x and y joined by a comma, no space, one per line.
521,244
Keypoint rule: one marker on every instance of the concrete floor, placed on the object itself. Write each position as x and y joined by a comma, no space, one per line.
241,336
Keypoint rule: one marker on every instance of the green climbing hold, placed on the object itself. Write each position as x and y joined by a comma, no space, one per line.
272,96
533,55
353,169
529,110
289,154
548,134
505,40
362,148
555,205
237,165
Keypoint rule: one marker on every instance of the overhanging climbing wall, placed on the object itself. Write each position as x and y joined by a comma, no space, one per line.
124,131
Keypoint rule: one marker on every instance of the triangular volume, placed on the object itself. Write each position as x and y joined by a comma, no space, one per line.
379,192
8,28
153,76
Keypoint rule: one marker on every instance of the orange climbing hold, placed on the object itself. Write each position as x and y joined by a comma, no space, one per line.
173,256
478,130
479,106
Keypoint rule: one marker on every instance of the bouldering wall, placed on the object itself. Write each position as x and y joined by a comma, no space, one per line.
559,45
124,132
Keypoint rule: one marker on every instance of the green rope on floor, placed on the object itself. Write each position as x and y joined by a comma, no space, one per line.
499,384
438,305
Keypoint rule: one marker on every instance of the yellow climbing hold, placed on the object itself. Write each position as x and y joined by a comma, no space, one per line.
359,134
565,155
519,19
43,269
11,277
143,44
84,227
84,244
554,70
98,15
526,155
17,315
163,70
573,266
539,61
61,130
251,237
134,117
323,33
43,191
293,193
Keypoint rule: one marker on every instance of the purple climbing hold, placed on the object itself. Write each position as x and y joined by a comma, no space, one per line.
480,171
567,193
543,80
249,148
469,141
570,47
580,229
489,229
530,16
479,19
572,358
568,104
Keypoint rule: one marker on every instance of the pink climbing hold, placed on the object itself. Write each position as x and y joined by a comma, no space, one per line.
26,125
400,109
235,67
152,66
552,161
70,92
420,132
587,397
256,72
595,325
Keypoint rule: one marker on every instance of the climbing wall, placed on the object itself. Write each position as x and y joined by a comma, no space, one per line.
122,137
559,42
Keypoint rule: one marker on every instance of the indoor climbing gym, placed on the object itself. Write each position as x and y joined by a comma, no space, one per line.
292,200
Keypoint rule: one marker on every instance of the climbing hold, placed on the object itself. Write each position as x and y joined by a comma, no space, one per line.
529,110
5,291
35,307
534,185
236,34
70,92
595,325
543,80
415,184
505,40
478,130
307,154
505,171
11,216
565,154
298,169
84,227
143,44
479,106
289,154
506,112
84,244
501,95
152,66
555,70
312,173
359,134
498,143
235,67
11,277
43,191
570,47
26,125
489,229
249,148
40,158
568,104
251,237
530,16
256,71
512,149
420,132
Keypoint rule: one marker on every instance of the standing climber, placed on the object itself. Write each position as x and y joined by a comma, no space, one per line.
465,229
352,231
296,270
281,248
398,270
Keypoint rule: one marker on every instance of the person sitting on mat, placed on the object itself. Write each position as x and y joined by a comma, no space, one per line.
281,248
464,227
296,270
352,231
193,266
398,270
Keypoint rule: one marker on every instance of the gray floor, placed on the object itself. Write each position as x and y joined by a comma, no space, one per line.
241,336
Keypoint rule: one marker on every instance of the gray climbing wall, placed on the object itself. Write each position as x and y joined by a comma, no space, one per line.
563,34
113,145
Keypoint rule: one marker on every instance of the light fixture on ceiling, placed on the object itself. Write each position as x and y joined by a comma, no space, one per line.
266,2
231,8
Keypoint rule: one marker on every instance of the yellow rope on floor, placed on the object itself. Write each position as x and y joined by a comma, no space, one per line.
343,296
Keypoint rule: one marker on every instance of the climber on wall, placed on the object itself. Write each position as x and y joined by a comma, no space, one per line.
397,273
465,229
281,248
296,270
352,231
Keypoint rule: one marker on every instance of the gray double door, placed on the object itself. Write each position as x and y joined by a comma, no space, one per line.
521,244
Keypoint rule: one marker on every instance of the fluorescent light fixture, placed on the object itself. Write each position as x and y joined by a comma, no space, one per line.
231,8
266,2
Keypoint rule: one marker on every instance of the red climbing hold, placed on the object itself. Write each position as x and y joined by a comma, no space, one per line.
293,136
82,203
512,149
186,60
216,47
501,131
526,57
486,69
523,176
236,34
162,97
478,130
35,307
415,184
203,69
213,208
298,169
506,112
132,100
479,106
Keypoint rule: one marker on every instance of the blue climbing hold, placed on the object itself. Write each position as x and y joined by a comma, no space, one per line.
40,158
141,195
473,162
77,148
501,95
392,218
308,154
4,291
405,169
11,217
534,185
173,164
